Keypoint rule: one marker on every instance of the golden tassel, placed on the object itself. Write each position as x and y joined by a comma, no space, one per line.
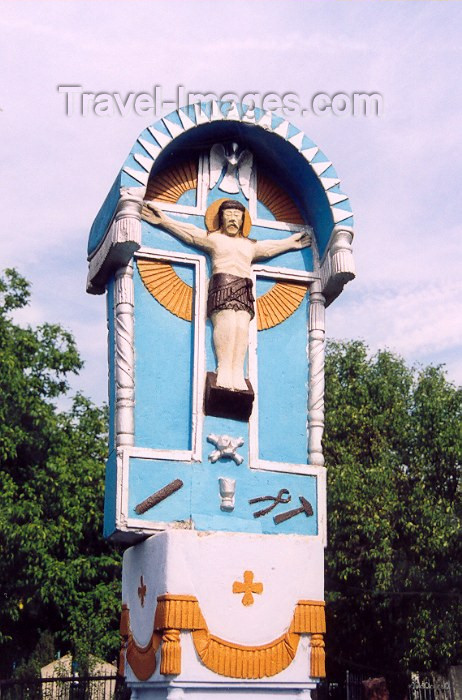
124,630
317,657
124,627
121,664
178,612
309,617
170,664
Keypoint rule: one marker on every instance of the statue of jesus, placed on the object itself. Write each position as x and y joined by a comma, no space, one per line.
230,303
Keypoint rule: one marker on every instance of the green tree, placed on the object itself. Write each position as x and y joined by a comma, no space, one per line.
57,575
393,446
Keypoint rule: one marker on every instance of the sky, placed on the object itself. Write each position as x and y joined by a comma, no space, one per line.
401,169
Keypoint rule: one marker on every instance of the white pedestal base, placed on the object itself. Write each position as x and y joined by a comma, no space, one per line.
178,693
219,613
175,692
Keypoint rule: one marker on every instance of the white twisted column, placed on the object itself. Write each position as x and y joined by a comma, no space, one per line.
316,376
124,355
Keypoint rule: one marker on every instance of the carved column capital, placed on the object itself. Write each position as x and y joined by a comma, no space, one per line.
338,265
121,240
127,220
341,254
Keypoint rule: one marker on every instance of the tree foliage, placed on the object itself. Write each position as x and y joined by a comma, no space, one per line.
393,447
393,451
57,575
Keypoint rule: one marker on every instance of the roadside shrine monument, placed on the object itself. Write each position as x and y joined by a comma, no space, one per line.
222,240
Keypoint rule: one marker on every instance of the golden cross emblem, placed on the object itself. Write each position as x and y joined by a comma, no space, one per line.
248,587
142,591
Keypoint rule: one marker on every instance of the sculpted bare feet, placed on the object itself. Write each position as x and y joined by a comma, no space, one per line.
225,379
239,383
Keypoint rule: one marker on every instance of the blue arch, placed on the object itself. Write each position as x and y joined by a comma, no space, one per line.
297,163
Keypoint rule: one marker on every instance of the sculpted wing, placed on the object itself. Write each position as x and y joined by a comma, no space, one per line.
245,165
216,162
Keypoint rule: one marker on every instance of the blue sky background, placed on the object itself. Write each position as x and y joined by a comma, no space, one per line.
402,170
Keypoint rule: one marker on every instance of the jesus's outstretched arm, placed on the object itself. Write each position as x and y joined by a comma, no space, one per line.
269,248
188,233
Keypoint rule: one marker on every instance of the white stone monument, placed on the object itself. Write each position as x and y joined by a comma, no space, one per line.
224,237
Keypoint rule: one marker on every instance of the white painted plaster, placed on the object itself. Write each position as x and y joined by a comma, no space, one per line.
205,565
200,304
161,138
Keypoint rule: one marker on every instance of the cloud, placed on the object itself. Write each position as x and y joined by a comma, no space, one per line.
401,170
415,321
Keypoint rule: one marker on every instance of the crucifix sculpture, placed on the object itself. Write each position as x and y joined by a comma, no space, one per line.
230,304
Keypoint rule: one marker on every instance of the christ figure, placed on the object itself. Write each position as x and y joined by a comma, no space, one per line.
230,303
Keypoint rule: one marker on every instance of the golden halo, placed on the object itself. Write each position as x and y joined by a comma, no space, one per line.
211,217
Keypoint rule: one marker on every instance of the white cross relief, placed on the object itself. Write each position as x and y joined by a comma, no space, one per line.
290,281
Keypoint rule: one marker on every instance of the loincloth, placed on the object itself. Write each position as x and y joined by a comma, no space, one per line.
230,292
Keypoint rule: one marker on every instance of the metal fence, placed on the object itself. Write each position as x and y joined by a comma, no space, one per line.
114,688
350,688
66,688
430,689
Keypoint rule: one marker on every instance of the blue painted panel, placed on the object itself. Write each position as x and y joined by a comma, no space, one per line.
132,163
138,148
156,237
163,368
216,193
163,372
264,213
199,497
110,494
127,180
147,476
205,500
283,387
104,217
188,198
